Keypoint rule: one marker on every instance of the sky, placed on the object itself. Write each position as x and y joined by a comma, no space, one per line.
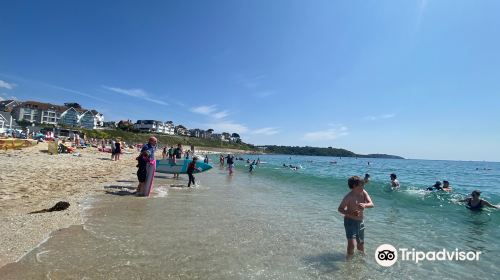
416,78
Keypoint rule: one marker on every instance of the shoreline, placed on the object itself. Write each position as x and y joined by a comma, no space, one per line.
43,181
65,178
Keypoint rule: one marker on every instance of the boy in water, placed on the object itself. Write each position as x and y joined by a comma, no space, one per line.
352,207
394,181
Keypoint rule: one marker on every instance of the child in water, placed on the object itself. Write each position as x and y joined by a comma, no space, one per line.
352,207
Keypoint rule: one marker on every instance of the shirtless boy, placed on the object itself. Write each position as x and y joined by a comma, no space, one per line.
352,207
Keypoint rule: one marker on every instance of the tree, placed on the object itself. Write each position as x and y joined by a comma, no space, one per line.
235,135
73,104
210,130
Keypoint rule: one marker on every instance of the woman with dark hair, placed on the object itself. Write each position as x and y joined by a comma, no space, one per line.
474,203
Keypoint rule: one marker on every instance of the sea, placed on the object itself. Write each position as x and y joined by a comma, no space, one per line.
279,223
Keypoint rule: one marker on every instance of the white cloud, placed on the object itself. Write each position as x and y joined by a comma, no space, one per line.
329,134
227,126
221,114
266,131
1,99
204,110
136,92
210,110
381,117
4,84
74,91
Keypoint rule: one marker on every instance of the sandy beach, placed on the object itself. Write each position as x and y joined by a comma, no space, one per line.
31,179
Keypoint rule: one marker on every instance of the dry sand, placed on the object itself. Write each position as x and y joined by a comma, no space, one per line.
31,179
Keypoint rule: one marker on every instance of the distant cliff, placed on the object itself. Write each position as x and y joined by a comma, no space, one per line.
317,151
380,156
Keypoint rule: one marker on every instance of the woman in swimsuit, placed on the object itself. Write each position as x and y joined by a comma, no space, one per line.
475,203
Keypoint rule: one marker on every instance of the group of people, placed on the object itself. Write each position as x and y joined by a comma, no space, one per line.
358,199
146,165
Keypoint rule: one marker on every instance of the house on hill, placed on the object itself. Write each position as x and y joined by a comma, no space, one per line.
70,117
8,105
6,122
87,120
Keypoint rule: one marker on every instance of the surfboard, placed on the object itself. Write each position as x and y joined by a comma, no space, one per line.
148,185
180,166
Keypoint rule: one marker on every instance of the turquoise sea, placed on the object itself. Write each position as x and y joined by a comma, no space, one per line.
278,224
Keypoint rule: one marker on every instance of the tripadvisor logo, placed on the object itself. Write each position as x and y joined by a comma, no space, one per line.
387,255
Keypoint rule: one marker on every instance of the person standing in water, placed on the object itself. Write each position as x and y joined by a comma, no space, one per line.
150,167
177,156
191,169
230,164
352,207
474,203
394,181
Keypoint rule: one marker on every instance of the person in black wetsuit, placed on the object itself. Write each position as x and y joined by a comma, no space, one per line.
191,169
142,162
474,203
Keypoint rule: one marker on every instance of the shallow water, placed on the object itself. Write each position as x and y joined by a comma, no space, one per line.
278,224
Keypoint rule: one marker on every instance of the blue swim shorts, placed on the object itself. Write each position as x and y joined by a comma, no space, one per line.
354,229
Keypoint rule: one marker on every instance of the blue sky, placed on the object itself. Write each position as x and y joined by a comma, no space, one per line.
417,78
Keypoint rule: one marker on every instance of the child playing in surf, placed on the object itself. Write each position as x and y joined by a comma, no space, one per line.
352,207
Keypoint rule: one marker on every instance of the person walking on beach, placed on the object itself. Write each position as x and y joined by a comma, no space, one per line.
118,150
177,155
113,142
474,203
352,207
150,167
164,153
192,168
394,181
171,152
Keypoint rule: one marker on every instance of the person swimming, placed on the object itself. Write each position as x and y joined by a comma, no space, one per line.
435,187
474,203
446,186
394,181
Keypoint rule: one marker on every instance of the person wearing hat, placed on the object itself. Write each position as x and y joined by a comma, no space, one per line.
475,203
192,168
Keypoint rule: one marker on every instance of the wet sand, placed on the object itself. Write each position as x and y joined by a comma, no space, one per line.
31,179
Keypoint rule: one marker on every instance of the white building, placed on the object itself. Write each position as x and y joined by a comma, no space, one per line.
169,128
150,126
6,122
